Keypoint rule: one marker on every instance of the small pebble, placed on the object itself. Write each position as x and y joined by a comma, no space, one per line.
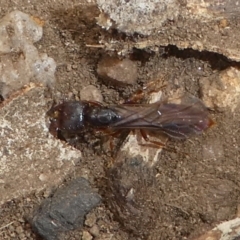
117,72
86,236
91,93
94,230
69,68
19,229
90,219
221,90
43,177
74,66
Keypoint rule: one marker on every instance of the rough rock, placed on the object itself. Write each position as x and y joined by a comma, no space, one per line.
20,62
30,158
221,90
228,230
66,210
200,25
134,16
86,236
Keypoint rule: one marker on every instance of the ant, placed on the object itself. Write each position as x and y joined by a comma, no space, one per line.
177,121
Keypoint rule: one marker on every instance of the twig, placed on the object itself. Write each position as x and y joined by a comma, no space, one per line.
5,226
95,45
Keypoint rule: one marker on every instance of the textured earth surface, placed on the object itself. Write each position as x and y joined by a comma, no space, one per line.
193,186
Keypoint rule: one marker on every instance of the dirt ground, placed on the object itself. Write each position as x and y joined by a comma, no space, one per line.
191,193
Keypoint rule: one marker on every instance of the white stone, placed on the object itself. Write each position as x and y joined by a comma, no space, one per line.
31,159
20,61
136,16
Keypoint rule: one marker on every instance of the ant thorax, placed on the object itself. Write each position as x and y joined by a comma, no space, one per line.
101,116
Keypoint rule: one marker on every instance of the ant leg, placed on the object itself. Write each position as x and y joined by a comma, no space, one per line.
157,144
151,87
136,98
109,132
111,145
111,135
154,143
122,135
95,103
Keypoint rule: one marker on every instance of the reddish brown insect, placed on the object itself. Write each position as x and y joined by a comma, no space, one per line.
172,119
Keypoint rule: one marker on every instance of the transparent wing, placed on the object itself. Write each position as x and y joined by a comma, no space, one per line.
175,120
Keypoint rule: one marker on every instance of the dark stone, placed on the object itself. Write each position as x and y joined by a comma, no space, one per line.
133,193
65,210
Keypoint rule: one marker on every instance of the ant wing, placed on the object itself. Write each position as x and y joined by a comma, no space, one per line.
182,120
134,116
175,120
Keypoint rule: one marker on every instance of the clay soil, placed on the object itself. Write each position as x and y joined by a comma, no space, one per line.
198,185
